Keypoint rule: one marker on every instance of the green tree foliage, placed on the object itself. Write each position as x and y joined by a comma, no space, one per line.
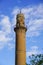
26,64
36,59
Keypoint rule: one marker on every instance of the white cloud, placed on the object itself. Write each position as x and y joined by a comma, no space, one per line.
6,25
11,46
3,37
5,30
33,50
34,47
35,27
4,40
33,19
14,13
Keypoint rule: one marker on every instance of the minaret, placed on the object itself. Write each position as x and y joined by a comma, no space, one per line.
20,30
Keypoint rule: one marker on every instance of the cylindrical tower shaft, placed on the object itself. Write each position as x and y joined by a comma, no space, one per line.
20,30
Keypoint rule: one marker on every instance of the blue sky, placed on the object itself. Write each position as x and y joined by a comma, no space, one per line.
33,12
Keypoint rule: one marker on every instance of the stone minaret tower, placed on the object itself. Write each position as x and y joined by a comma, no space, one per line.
20,29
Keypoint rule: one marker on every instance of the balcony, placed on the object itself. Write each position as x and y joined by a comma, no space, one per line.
20,27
